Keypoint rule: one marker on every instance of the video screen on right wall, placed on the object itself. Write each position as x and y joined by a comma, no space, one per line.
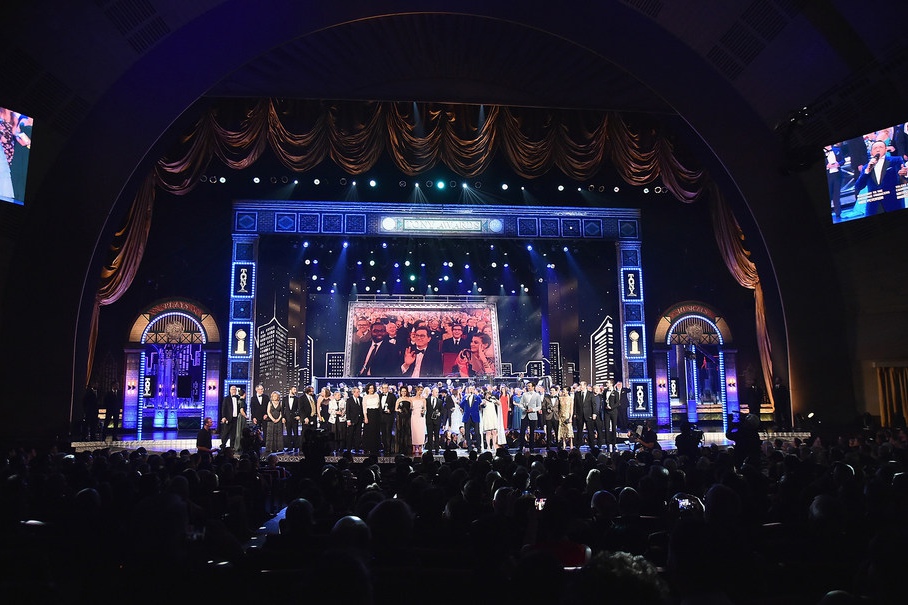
868,174
16,143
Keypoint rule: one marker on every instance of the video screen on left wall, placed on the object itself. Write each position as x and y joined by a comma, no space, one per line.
16,142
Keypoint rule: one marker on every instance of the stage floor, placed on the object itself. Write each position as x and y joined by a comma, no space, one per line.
166,440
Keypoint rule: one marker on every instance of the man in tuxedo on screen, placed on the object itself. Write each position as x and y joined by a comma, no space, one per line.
882,176
421,359
456,342
386,403
379,357
233,414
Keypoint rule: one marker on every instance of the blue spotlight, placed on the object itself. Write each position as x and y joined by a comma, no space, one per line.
305,244
440,184
384,244
346,244
529,247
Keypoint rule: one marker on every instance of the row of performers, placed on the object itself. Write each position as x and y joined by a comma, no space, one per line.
387,420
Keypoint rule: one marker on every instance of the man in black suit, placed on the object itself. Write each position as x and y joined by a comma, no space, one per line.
456,343
421,359
583,408
386,403
258,405
623,404
379,357
434,414
612,403
355,420
113,404
232,410
882,177
292,414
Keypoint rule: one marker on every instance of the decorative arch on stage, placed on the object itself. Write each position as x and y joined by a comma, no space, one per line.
172,368
418,136
694,365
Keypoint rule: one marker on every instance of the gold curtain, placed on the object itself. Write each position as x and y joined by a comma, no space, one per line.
730,239
416,136
892,383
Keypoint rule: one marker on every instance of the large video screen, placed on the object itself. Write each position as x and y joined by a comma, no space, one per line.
422,339
16,141
868,174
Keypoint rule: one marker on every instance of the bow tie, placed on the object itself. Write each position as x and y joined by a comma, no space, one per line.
420,351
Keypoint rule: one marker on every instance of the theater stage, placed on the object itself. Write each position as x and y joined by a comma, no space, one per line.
165,440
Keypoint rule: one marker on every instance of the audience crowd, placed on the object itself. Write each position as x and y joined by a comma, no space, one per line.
819,521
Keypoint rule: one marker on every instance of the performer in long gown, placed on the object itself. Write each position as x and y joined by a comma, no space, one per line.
371,428
418,421
402,407
274,424
455,420
565,423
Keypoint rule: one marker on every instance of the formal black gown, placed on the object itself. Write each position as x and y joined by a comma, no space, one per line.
404,438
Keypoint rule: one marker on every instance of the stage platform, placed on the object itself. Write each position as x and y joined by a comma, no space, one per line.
163,441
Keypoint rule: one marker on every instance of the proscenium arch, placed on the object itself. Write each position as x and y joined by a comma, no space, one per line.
609,28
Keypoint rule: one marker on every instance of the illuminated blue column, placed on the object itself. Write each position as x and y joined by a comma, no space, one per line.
633,328
242,313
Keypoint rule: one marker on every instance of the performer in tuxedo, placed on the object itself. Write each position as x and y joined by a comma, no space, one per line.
387,402
881,176
292,416
583,409
434,415
258,405
611,406
233,415
379,357
308,412
599,397
623,404
421,359
113,403
550,417
355,420
470,406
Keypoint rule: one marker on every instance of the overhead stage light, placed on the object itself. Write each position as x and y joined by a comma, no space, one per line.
504,186
316,182
560,187
256,180
429,183
343,181
440,184
372,183
477,185
285,180
402,183
222,180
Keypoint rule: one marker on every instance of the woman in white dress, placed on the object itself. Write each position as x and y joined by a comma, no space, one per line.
455,420
489,421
